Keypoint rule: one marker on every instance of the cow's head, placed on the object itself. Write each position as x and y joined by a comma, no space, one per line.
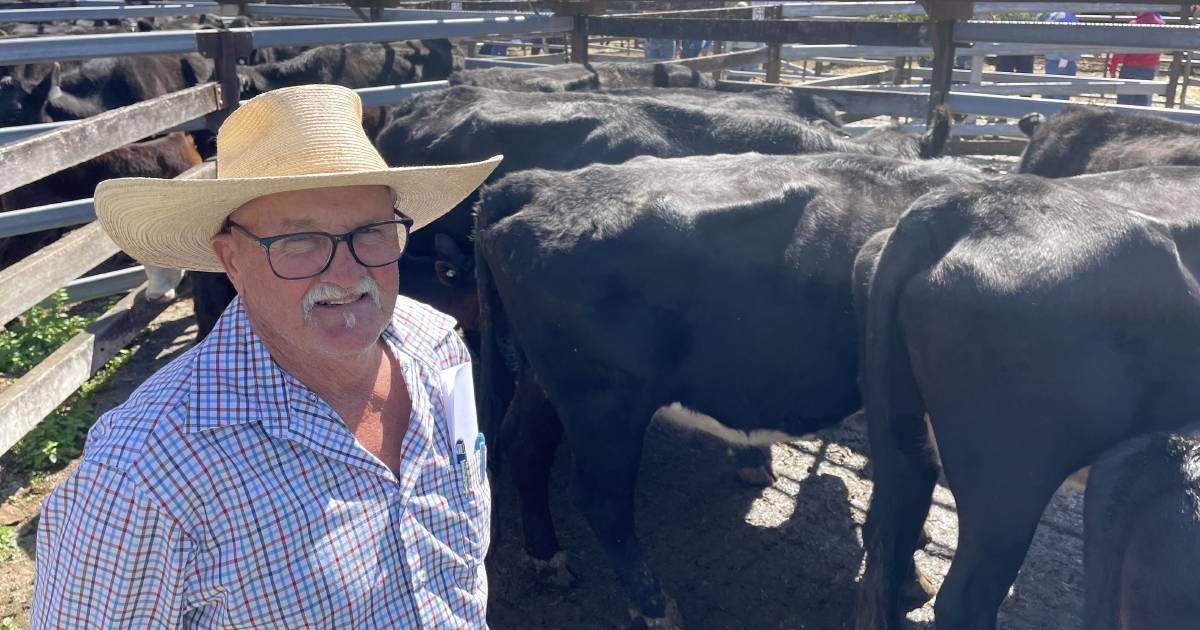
445,281
24,105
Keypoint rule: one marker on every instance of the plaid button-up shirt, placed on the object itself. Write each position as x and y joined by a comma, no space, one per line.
226,494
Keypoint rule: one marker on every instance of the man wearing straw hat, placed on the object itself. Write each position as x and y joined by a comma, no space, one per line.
315,462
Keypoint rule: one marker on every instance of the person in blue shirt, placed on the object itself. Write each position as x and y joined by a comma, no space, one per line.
695,48
1064,64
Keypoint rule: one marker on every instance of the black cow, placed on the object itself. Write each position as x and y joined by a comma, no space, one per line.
563,131
1037,322
1142,534
618,74
573,77
356,66
1081,140
96,86
567,77
721,283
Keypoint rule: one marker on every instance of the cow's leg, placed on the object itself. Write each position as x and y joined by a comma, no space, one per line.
607,447
905,469
998,511
161,283
532,433
211,293
753,465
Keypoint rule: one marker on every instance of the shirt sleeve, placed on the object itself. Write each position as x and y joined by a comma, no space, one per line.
108,556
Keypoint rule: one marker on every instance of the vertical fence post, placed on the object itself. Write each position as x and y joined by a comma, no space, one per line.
1187,59
942,16
774,65
224,47
579,40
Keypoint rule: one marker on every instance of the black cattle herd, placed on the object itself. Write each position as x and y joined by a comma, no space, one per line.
651,241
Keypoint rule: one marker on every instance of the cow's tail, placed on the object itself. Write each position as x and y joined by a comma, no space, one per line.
902,453
933,141
922,236
496,381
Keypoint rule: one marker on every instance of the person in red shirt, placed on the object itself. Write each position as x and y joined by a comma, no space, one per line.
1136,65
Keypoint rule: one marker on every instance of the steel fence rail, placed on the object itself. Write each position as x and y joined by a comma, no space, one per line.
102,285
898,102
65,47
330,12
318,34
1102,37
1045,88
48,217
392,94
71,47
858,9
106,12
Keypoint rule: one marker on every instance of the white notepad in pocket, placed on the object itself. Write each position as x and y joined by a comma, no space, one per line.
458,392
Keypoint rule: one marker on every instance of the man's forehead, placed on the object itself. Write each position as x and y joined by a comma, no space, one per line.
310,208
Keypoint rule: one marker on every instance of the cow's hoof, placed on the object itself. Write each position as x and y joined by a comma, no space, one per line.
671,619
169,296
916,592
757,476
555,573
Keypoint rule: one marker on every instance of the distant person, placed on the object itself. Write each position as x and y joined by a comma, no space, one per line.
660,49
1063,64
1142,66
690,48
1014,63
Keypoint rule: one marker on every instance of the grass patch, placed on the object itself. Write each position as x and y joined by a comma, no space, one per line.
8,543
29,340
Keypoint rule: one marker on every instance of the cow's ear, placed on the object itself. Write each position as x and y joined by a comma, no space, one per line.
49,87
446,247
1029,123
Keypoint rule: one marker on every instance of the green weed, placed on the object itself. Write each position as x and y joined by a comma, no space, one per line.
29,340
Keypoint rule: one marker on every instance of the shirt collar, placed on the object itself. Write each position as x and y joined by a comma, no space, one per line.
235,381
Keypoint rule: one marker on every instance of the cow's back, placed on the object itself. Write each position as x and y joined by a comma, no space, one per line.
1081,140
682,273
1088,308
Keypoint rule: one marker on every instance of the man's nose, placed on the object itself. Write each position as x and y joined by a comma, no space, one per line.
343,269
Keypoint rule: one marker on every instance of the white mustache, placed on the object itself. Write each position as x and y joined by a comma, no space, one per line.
325,291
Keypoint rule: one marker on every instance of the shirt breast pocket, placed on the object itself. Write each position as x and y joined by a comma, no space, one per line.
473,502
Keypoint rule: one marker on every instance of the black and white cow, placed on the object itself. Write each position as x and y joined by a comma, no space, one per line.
720,284
1037,322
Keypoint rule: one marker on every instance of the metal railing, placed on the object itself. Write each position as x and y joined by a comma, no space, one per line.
856,9
68,47
106,12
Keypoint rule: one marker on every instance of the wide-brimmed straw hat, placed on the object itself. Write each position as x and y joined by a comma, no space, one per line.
295,138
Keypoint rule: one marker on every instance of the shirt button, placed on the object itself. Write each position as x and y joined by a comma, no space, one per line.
419,578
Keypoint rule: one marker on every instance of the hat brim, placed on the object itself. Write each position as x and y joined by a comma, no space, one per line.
169,222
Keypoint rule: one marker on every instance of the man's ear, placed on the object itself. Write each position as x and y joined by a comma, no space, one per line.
226,251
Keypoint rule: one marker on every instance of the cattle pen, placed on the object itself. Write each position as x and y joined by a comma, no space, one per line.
784,35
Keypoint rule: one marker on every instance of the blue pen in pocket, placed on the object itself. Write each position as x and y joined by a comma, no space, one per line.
460,458
481,456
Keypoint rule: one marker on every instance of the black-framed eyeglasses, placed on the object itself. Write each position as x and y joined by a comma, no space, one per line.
301,255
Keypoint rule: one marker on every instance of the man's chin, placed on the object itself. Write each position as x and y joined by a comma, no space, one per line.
346,328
